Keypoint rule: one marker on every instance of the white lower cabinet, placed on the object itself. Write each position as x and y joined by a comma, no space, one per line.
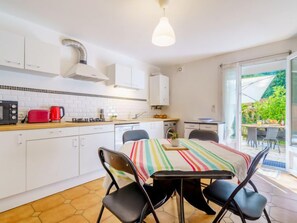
12,163
154,129
89,145
51,160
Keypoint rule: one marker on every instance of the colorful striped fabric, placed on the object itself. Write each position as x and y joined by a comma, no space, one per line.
149,157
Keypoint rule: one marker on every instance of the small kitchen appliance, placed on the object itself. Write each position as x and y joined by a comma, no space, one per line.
8,112
38,116
57,113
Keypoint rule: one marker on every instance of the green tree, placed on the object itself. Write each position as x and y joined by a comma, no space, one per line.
273,107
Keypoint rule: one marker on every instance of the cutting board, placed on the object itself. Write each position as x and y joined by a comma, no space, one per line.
170,147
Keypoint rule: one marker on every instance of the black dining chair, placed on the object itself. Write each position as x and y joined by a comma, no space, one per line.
204,135
134,135
246,203
133,202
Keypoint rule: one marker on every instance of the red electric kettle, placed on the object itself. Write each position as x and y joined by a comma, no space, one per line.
56,113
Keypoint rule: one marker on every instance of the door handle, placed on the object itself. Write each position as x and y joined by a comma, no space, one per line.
20,139
13,62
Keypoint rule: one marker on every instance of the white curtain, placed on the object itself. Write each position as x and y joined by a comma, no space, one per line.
231,100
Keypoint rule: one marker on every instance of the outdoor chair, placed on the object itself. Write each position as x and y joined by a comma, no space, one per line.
134,135
204,135
271,138
246,203
133,202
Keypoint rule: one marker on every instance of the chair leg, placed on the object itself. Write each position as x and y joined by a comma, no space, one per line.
220,215
267,216
100,214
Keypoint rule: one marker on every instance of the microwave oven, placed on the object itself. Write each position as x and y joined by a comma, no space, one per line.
8,112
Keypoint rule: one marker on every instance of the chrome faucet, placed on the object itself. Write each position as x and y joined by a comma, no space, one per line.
138,115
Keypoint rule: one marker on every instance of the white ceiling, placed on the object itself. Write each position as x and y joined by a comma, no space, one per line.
203,28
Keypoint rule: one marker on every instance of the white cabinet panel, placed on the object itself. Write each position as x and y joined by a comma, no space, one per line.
138,79
159,90
51,160
124,76
40,56
12,163
154,129
89,145
11,50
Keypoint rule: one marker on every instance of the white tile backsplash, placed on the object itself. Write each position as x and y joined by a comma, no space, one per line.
76,106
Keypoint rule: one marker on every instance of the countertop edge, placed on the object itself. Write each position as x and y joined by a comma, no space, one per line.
35,126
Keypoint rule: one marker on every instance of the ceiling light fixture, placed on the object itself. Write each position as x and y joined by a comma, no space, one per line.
163,34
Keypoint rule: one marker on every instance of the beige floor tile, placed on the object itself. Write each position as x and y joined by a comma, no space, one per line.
57,214
75,219
48,202
74,192
283,215
92,213
163,217
111,219
30,220
16,214
94,185
86,201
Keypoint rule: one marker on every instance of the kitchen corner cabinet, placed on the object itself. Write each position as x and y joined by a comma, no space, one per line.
154,129
159,90
53,157
43,57
124,76
11,50
91,138
12,163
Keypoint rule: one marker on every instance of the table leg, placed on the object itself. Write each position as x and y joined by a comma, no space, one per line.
180,204
193,194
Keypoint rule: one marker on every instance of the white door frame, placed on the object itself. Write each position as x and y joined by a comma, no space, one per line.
291,151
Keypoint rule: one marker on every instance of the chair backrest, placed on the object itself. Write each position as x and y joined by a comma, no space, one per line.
256,164
118,161
271,133
204,135
134,135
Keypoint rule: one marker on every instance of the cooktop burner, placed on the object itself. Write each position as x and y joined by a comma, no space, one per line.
87,120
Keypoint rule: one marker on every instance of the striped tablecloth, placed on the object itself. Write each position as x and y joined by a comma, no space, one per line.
149,156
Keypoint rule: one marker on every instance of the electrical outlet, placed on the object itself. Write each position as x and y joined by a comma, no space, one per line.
21,115
213,108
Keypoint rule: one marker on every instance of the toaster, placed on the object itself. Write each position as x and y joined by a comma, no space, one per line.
38,116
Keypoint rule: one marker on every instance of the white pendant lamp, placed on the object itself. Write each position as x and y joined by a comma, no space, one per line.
163,34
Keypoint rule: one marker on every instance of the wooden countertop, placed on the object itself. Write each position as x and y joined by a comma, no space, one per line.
32,126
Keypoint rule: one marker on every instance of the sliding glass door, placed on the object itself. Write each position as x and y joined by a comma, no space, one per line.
291,138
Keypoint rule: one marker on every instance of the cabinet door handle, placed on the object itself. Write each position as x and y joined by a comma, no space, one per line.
33,65
74,143
13,62
20,139
82,141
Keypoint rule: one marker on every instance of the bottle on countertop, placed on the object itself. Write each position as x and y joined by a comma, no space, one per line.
101,116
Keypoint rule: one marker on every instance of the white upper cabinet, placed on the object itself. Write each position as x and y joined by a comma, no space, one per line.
43,57
11,50
138,79
124,76
159,90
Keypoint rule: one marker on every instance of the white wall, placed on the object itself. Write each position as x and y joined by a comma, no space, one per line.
97,57
198,87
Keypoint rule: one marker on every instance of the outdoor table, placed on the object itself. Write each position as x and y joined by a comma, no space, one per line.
252,131
201,159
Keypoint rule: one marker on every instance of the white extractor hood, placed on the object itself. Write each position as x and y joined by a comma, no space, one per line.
81,70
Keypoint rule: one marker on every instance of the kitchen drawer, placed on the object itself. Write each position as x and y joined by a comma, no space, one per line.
96,129
192,126
209,127
50,133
